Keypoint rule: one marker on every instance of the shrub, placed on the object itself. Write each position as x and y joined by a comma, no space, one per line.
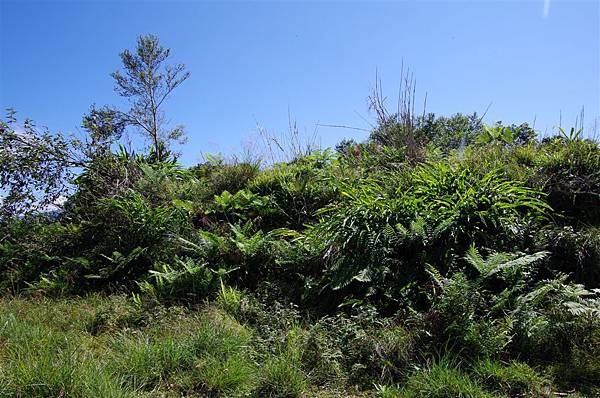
297,189
136,223
127,235
460,307
187,280
478,314
256,255
554,318
575,252
242,206
386,355
569,172
486,210
358,349
219,176
377,242
322,355
582,369
31,248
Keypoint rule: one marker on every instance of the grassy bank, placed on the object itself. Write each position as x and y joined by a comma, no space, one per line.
110,347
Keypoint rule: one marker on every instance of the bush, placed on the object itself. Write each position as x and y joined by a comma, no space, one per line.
465,321
569,172
242,206
186,281
298,189
481,209
31,248
575,252
377,242
337,273
555,318
219,176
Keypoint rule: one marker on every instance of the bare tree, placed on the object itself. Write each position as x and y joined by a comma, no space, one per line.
147,81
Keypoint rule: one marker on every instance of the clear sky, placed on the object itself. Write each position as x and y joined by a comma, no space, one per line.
251,62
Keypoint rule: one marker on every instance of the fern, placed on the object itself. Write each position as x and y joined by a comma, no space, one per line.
500,262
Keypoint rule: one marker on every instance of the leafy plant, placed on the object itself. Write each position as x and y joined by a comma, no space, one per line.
243,205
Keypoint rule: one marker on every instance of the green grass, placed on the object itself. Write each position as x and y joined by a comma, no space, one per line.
37,361
443,379
109,347
48,349
513,378
282,378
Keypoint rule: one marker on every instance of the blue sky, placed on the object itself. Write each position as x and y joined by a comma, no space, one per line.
251,62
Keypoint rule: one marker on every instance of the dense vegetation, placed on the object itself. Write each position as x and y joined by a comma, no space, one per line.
439,258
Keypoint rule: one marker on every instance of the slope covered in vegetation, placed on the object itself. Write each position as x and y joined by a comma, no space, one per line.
450,273
439,258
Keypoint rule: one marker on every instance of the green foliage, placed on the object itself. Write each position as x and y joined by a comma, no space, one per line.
499,134
380,238
297,189
455,132
146,363
172,351
224,367
513,378
555,318
136,220
282,376
219,176
357,349
443,379
38,362
464,323
243,205
186,280
569,172
572,135
229,299
329,275
147,82
131,234
105,127
118,313
230,376
30,248
35,167
478,315
446,133
481,208
575,251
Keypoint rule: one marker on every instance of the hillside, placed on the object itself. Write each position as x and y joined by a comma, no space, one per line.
441,258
